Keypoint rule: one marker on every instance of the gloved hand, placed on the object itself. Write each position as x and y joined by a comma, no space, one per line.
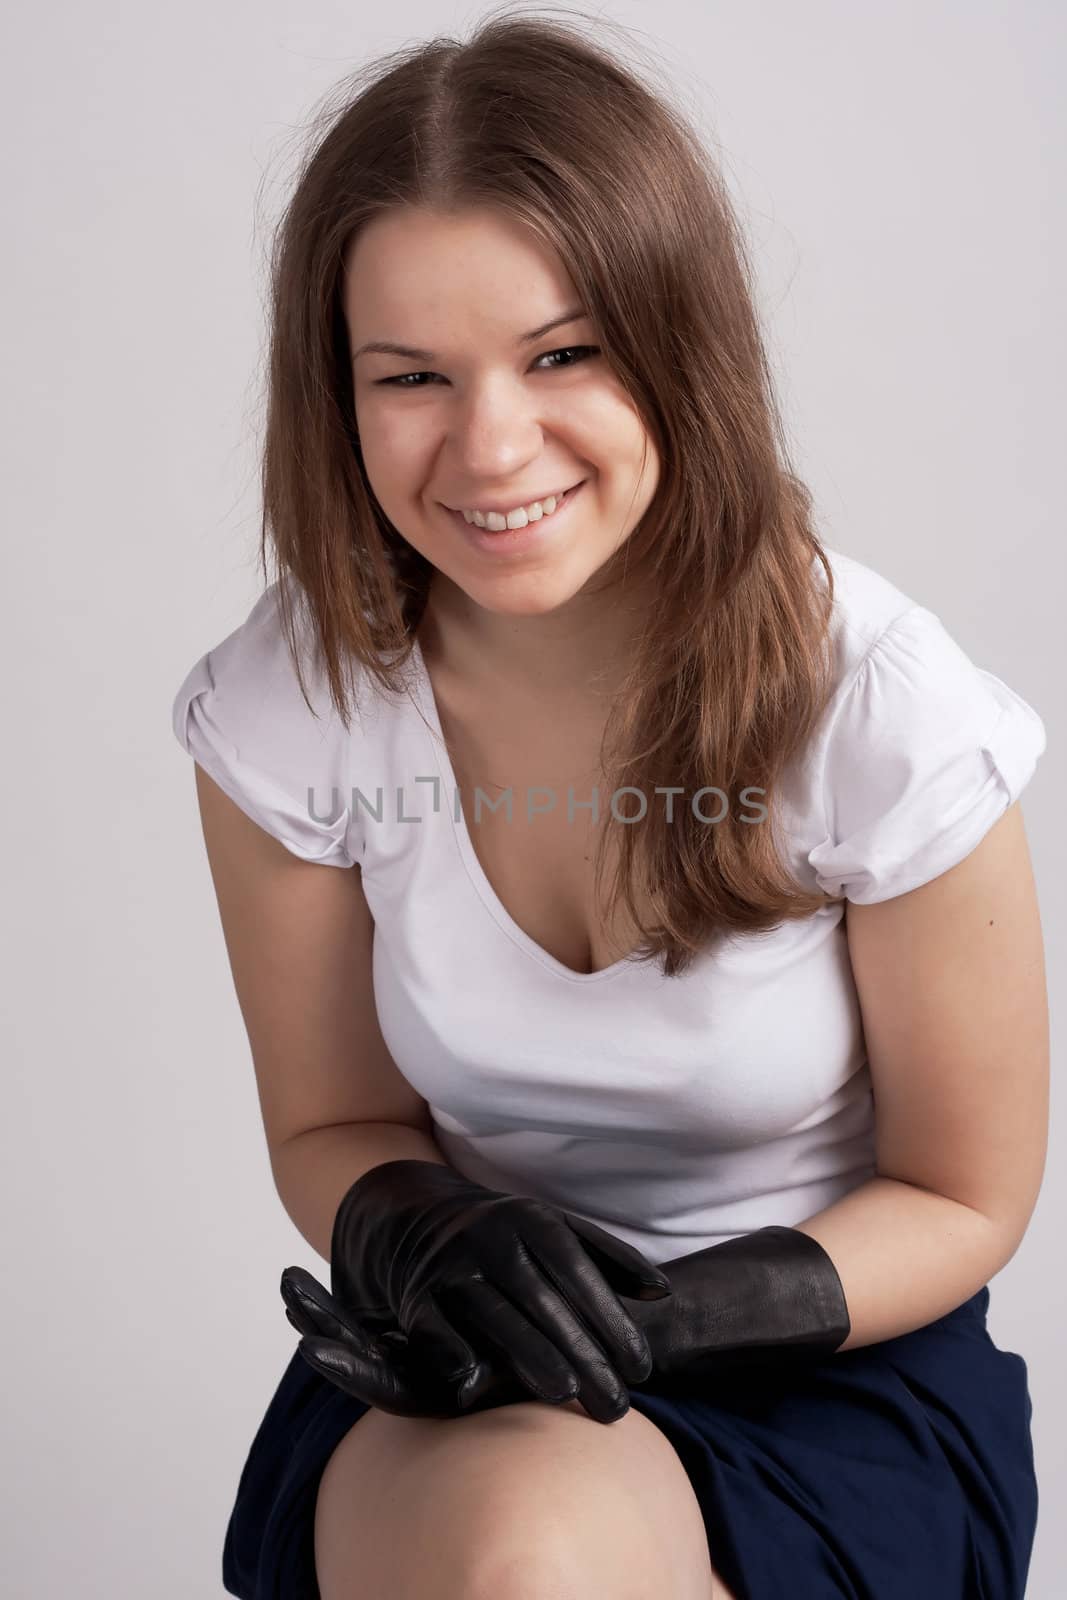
385,1369
464,1271
769,1298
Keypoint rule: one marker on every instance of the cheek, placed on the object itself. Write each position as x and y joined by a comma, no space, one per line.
386,426
394,462
612,430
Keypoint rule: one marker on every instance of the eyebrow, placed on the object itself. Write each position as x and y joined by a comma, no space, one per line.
386,347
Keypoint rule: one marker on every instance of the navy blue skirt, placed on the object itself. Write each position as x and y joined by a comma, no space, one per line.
894,1471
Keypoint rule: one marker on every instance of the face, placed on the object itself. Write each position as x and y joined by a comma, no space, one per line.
481,416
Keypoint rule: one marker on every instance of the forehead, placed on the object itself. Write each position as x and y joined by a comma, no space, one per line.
432,276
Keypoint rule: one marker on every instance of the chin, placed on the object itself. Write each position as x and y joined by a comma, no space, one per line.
522,595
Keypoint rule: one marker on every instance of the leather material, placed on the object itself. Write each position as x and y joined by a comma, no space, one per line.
771,1296
383,1369
461,1269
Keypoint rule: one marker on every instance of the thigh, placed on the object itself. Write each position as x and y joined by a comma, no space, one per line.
512,1498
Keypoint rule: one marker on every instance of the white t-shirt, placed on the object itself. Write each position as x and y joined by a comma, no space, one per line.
674,1112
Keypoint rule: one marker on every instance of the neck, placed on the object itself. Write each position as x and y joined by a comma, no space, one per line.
580,649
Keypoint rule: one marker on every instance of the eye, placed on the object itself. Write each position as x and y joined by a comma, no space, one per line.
580,352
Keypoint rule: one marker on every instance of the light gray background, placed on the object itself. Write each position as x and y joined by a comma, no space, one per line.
901,172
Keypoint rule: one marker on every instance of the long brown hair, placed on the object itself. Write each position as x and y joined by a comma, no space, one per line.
732,671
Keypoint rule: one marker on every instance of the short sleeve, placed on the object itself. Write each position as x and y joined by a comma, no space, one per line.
242,717
925,753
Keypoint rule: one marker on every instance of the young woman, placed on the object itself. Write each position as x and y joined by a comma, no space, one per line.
725,1153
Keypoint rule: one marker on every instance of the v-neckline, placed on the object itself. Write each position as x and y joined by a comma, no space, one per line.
475,871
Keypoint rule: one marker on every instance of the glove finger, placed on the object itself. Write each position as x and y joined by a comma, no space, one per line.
364,1375
489,1387
480,1390
624,1266
590,1378
437,1342
600,1334
312,1309
386,1373
298,1313
490,1320
371,1364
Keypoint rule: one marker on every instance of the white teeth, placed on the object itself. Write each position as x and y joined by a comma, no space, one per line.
496,522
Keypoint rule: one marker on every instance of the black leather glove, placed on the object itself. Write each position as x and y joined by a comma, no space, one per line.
770,1299
463,1270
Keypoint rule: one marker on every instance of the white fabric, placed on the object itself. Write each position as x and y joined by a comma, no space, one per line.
675,1112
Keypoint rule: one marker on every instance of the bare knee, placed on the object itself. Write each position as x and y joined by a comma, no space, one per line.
526,1502
405,1512
437,1509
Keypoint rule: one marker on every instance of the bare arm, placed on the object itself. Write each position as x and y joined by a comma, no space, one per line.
299,937
314,1171
951,979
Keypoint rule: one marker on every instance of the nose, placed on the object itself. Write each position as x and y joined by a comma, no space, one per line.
495,431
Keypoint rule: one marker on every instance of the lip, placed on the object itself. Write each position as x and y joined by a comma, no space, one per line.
513,505
516,541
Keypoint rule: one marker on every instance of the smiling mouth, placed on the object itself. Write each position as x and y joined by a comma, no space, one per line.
551,494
